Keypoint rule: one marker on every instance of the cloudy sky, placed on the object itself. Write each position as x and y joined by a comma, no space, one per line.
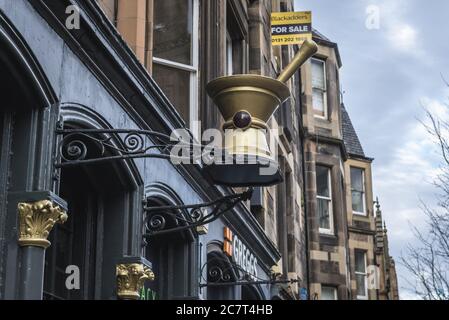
390,71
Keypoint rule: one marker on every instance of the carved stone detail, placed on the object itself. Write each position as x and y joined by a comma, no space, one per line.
130,280
36,220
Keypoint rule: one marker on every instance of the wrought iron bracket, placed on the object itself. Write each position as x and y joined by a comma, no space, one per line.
223,272
89,146
167,219
247,282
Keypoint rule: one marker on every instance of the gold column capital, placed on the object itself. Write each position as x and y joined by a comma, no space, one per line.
36,220
130,279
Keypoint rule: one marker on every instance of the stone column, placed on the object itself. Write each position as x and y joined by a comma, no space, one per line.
131,276
36,220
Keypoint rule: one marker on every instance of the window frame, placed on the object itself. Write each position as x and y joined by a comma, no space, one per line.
364,274
334,289
323,90
364,213
236,35
329,231
193,69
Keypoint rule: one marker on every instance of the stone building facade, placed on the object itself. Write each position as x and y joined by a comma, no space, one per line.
143,65
324,166
137,65
346,257
233,38
360,216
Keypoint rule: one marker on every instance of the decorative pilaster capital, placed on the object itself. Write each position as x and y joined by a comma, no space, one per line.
130,280
36,220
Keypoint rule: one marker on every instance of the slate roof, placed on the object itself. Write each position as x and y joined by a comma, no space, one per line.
350,138
318,34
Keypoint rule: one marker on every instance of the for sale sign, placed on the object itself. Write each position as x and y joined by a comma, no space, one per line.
290,27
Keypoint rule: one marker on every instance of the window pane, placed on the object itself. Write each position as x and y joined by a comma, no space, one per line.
361,289
229,55
318,78
357,179
323,213
360,261
322,181
176,85
318,102
173,25
357,202
328,293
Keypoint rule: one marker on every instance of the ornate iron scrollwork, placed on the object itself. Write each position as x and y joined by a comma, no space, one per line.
87,146
223,272
166,219
217,274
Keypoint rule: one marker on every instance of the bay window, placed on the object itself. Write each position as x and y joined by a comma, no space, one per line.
324,199
360,274
319,88
175,58
358,191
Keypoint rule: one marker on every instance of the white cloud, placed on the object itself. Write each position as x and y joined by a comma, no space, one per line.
401,34
437,108
412,164
403,37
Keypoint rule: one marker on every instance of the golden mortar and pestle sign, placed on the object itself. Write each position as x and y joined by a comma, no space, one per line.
247,102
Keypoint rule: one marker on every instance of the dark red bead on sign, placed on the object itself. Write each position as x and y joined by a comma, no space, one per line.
242,119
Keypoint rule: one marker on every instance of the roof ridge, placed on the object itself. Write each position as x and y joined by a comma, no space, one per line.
320,35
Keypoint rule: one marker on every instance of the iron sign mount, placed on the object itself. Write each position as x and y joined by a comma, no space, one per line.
79,147
90,146
223,272
166,219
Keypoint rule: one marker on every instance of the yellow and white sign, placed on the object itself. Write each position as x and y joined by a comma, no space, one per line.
290,27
